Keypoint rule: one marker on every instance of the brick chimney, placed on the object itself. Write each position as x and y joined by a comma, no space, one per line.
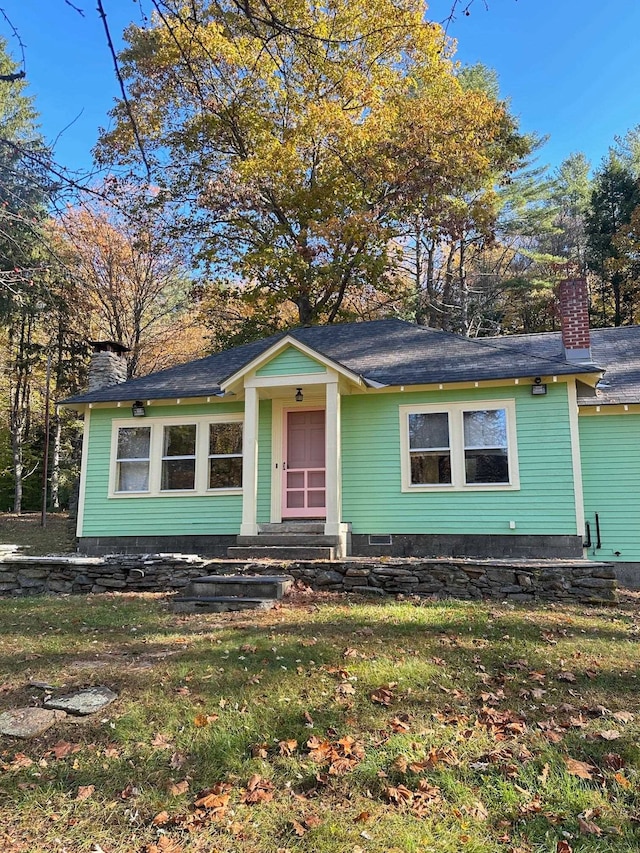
108,366
573,299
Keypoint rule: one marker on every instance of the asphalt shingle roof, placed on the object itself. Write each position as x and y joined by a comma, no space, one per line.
393,352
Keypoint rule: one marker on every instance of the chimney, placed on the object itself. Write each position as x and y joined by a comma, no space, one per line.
573,299
108,366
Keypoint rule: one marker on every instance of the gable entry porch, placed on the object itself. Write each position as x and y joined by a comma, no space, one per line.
305,519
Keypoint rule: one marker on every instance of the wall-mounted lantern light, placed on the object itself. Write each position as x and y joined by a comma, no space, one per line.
138,410
299,395
538,389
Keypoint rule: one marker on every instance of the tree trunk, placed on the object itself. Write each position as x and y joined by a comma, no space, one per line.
55,461
306,314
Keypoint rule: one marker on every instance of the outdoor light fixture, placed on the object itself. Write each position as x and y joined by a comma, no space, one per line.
137,410
299,395
538,388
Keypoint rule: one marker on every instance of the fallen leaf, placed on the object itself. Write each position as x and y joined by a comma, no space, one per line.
382,696
566,676
63,748
564,847
161,741
20,761
588,827
178,760
623,716
202,720
287,747
179,788
478,811
622,780
613,761
399,725
259,790
85,791
298,828
609,734
164,845
579,768
160,819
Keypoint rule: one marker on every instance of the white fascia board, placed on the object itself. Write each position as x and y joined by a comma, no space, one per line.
277,348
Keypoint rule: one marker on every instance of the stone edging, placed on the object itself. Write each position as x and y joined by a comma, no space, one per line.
526,580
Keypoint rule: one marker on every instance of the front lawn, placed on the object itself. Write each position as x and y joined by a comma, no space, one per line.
325,725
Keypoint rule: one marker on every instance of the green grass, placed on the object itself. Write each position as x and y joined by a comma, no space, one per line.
463,681
26,530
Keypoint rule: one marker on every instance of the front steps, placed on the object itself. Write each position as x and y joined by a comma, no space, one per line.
222,593
290,540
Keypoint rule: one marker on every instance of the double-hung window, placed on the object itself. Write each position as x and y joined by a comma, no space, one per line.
486,448
429,448
459,446
225,456
174,456
132,459
179,457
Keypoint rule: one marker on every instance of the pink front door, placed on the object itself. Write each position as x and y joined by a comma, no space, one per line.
303,494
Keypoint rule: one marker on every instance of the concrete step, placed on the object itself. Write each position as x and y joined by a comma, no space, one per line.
278,552
239,586
297,540
292,527
219,604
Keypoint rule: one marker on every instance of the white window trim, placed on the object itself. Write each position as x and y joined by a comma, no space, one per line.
457,448
156,455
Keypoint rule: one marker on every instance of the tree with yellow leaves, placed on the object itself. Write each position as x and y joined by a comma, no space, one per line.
296,162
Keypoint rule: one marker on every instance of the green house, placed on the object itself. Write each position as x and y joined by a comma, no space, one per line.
377,438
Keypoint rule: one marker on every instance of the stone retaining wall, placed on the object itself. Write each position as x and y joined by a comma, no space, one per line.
526,580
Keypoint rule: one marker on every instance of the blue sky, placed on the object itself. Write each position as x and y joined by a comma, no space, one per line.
570,68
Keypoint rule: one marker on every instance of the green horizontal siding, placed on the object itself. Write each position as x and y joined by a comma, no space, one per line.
152,516
290,361
610,447
374,503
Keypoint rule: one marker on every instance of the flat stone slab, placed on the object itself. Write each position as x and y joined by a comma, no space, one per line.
28,722
83,702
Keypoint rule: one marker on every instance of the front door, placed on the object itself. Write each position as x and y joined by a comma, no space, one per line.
304,467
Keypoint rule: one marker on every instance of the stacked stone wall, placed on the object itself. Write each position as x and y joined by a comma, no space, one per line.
526,580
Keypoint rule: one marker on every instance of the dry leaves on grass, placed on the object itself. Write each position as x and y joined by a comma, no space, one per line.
85,791
302,826
62,749
259,790
202,720
341,755
286,748
215,800
383,695
420,802
165,844
579,768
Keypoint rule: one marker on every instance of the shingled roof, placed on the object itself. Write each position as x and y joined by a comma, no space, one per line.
393,352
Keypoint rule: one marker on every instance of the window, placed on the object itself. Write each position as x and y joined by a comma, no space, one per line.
429,448
485,446
179,457
132,459
175,456
225,456
459,446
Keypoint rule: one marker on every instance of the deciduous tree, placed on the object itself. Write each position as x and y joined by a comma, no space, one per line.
300,160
